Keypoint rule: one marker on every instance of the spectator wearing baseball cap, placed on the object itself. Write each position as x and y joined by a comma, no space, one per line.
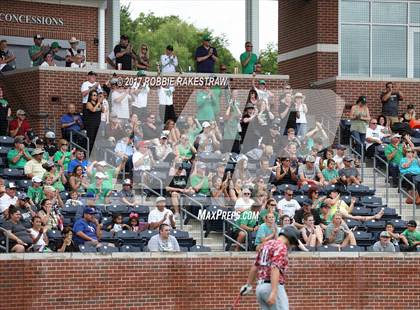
339,155
8,198
124,53
90,202
20,126
384,244
37,51
35,191
169,61
394,153
126,194
19,155
55,47
89,85
360,117
87,230
206,56
412,235
34,167
26,208
349,175
161,215
309,173
98,188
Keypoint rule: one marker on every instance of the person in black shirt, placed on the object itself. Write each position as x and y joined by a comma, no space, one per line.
390,99
150,130
177,186
124,53
249,128
19,237
285,174
306,210
206,56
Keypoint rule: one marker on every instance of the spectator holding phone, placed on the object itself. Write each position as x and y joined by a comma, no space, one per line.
390,99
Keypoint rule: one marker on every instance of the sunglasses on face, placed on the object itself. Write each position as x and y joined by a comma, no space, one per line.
247,194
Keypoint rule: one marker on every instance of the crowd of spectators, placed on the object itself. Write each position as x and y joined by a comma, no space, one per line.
270,139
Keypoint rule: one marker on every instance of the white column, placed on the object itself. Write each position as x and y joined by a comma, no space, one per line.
115,36
252,24
101,35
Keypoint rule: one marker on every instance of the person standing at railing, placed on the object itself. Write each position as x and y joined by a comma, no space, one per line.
360,116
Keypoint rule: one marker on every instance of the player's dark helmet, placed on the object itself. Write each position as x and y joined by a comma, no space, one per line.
291,233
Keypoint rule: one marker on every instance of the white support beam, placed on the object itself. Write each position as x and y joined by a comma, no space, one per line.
252,24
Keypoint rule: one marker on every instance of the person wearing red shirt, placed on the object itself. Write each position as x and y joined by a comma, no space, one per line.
270,270
19,126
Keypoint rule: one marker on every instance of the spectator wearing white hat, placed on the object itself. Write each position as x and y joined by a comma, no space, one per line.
19,126
207,140
7,197
161,215
35,191
74,52
384,244
34,167
127,194
103,167
100,191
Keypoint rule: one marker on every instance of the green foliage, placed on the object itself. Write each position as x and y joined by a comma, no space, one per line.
268,59
158,32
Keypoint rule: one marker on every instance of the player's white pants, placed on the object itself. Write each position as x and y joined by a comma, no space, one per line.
263,292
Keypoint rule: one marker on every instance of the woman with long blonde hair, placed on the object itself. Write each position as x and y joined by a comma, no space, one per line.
142,58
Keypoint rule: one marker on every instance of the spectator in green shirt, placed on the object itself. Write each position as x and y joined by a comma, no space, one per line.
394,153
101,192
199,181
270,207
206,103
412,235
38,51
18,156
63,157
36,192
248,222
248,59
330,173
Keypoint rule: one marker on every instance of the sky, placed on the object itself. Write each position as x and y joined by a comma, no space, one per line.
222,16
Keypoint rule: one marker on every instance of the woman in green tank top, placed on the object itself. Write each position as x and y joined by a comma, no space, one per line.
360,117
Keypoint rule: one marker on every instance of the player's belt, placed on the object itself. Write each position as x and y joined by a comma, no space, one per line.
266,281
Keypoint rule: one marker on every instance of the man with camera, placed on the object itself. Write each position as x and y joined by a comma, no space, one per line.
390,99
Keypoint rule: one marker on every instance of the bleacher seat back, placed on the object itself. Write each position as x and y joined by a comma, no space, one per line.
105,249
129,248
87,249
283,187
352,248
127,234
3,151
327,248
179,234
7,141
361,211
147,234
199,248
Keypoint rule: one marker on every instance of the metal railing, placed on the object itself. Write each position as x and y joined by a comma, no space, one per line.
115,156
361,155
377,170
143,173
182,209
74,144
226,236
6,235
402,191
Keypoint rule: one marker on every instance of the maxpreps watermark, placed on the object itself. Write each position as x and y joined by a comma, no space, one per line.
166,81
206,215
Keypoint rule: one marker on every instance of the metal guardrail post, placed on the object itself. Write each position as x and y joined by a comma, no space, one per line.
361,154
192,215
79,146
156,178
245,247
402,191
376,170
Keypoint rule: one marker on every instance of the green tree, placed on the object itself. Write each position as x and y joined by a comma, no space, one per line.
158,32
268,59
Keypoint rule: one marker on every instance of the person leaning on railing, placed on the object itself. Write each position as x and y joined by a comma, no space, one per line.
410,168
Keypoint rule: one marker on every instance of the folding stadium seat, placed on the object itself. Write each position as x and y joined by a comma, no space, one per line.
360,190
179,234
105,249
147,234
278,197
3,151
399,225
353,248
416,141
55,239
13,174
372,202
118,209
389,213
7,141
106,221
305,189
64,196
129,248
127,235
87,249
332,187
23,185
361,211
213,225
54,234
327,248
142,211
375,226
162,166
108,236
200,248
300,198
353,223
346,199
363,238
67,221
69,211
183,249
283,187
415,133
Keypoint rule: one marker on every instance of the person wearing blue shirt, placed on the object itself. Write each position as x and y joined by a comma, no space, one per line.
87,230
410,168
79,160
206,56
71,121
266,230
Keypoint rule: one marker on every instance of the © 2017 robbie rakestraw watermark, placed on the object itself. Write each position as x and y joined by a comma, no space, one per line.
225,215
166,81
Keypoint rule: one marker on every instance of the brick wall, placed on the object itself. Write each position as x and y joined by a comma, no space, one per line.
81,22
207,281
32,90
350,90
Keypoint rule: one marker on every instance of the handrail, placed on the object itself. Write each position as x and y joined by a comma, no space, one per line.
116,157
402,191
143,186
182,209
77,145
245,247
385,175
153,177
6,234
361,155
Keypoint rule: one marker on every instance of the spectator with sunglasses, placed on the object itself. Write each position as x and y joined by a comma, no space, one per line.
374,136
288,205
248,59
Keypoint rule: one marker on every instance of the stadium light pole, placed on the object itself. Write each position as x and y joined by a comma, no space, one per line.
252,24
